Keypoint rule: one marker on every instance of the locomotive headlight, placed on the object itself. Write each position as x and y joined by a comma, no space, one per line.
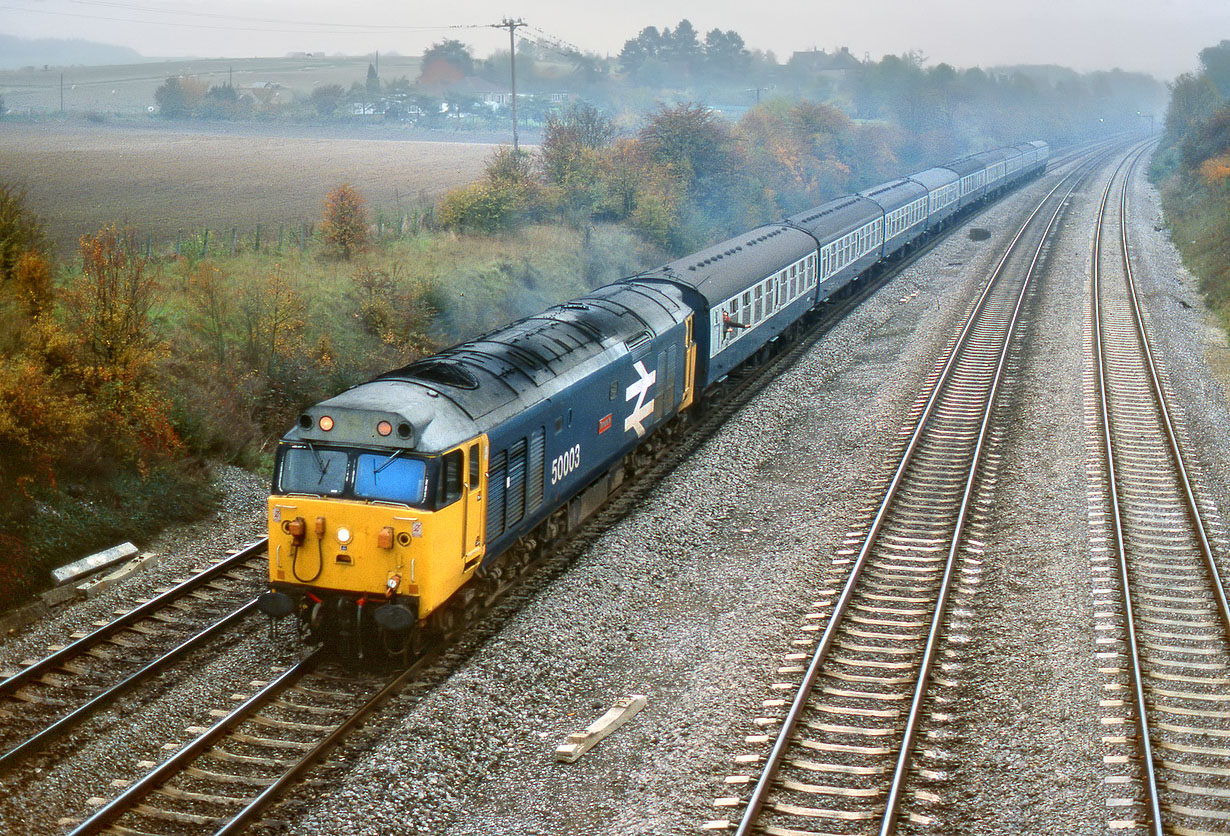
384,428
326,423
344,535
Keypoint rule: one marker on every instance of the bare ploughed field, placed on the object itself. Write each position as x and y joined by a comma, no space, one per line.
81,176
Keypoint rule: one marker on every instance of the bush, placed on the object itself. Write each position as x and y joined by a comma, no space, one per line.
59,526
506,196
345,224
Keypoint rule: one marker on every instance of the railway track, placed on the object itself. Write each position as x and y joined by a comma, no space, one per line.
845,744
226,777
1163,621
50,696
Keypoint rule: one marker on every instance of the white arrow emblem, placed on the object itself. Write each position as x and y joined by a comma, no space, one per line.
639,390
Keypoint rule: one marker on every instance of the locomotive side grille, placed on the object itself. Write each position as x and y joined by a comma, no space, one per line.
515,501
537,473
495,494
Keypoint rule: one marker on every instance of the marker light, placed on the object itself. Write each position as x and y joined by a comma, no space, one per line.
384,428
343,535
326,423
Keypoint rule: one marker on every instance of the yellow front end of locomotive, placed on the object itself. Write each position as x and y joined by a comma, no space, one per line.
378,551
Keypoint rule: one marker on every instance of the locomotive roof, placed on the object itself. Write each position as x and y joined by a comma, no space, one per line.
728,268
450,397
895,193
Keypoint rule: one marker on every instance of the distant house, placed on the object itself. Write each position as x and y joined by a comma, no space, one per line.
491,93
265,93
834,66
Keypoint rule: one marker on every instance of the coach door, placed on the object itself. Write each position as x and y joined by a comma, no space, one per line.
689,367
475,496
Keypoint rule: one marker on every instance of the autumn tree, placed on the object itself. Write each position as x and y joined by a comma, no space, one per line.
109,304
327,98
21,230
180,96
573,145
272,316
396,311
108,309
446,63
345,222
1215,63
688,139
1193,99
32,283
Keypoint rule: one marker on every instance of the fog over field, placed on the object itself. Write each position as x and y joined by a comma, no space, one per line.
1161,38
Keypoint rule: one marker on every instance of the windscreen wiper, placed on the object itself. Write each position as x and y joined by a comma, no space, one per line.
320,463
388,461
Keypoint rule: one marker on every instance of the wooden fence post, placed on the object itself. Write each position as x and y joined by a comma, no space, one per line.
205,244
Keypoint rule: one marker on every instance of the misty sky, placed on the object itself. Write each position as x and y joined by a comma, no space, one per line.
1161,37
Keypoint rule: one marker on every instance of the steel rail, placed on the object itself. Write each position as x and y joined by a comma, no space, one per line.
896,788
1198,525
175,764
66,722
270,794
1153,801
776,755
100,635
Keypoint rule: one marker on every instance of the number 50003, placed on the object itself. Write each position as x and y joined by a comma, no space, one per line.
561,466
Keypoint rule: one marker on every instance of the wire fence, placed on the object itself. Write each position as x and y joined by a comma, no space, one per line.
234,240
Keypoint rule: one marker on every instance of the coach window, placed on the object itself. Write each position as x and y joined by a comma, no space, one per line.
474,466
450,478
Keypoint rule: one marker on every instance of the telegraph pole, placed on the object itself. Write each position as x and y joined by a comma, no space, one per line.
512,26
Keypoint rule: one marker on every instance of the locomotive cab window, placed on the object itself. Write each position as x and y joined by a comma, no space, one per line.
475,469
312,470
450,478
390,477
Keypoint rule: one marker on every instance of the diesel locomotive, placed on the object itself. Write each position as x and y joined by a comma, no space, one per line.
397,502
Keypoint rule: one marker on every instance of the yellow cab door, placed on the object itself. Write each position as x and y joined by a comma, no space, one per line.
475,506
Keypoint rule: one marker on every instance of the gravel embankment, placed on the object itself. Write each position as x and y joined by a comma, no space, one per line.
109,745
